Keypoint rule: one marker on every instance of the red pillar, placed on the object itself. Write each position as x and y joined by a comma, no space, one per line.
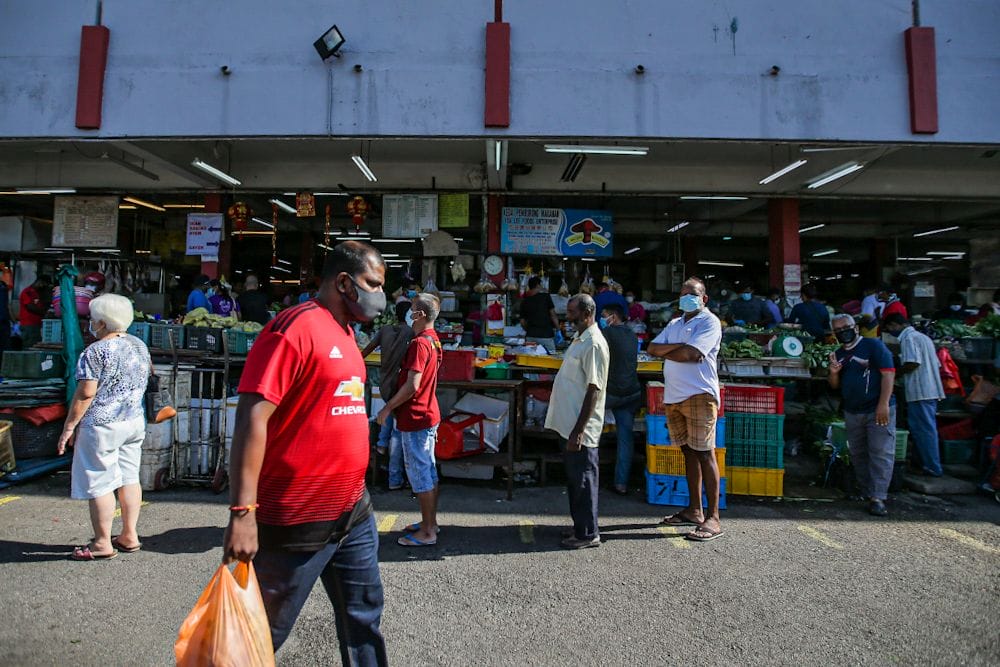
783,242
493,224
213,204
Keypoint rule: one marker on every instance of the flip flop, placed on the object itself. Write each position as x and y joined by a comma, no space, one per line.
414,527
84,553
411,541
677,520
708,533
124,549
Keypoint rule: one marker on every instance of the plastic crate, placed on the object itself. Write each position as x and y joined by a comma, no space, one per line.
159,338
755,481
458,365
673,490
669,460
239,342
206,339
657,432
977,347
32,364
838,437
142,331
51,331
959,451
754,398
29,441
654,398
755,441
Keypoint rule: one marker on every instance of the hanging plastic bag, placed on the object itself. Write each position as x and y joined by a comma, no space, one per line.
510,285
431,288
228,625
484,285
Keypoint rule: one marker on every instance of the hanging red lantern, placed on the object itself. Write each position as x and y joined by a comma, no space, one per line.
239,213
358,208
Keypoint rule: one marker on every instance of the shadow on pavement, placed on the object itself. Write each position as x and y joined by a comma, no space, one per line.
31,552
184,540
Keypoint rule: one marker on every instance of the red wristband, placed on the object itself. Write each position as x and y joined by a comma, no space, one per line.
244,508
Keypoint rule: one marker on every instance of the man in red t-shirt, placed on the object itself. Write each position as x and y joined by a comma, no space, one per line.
891,303
299,456
34,302
415,408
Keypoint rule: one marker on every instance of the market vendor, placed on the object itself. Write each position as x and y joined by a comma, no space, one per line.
636,312
955,310
198,298
538,316
747,309
811,313
773,305
34,301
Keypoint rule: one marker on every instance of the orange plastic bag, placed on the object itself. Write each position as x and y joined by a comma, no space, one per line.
228,625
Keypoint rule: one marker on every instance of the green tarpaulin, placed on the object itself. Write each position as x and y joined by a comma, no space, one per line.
72,338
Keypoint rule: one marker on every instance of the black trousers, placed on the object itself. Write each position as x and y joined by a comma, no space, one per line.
581,489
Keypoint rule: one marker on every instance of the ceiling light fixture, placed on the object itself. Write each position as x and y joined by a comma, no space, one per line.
360,163
712,198
393,240
727,238
950,253
280,268
45,191
824,253
781,172
122,162
146,204
282,205
183,206
323,246
915,259
835,173
254,233
709,263
809,229
573,167
127,207
597,150
632,250
937,231
284,261
218,173
497,150
680,225
263,222
388,255
330,194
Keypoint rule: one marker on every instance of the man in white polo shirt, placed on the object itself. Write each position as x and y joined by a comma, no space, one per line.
576,412
689,346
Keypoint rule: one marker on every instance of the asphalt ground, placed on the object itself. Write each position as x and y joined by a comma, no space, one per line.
796,582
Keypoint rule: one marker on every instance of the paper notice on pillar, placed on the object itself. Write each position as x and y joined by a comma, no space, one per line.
409,216
204,233
793,280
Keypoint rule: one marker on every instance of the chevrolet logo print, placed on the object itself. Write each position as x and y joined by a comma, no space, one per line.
354,388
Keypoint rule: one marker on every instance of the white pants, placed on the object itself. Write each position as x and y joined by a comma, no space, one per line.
106,458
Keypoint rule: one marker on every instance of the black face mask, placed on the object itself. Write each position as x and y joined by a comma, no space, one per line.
846,337
368,305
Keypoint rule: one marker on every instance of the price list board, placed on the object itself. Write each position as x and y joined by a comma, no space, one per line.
90,222
409,216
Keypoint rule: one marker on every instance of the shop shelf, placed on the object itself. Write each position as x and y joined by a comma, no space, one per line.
755,481
142,331
673,490
754,398
458,365
657,432
669,460
159,335
240,342
32,364
838,437
51,331
959,451
206,339
654,398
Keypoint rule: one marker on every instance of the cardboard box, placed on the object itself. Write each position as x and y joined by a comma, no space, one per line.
497,423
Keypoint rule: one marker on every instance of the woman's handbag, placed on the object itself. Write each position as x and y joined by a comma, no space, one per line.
158,401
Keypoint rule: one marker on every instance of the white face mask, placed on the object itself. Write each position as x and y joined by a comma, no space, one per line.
630,299
92,330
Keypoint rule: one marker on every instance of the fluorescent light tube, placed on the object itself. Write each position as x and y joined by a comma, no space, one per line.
183,206
949,253
143,202
45,191
632,250
679,226
937,231
218,173
280,268
360,163
824,253
393,240
915,259
282,205
835,173
329,194
387,255
712,198
323,246
707,263
263,222
268,233
284,261
497,148
809,229
597,150
126,207
784,170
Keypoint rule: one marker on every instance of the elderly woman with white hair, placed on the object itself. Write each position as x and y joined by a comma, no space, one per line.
110,424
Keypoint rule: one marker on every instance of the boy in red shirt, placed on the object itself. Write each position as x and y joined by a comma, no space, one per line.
415,408
299,456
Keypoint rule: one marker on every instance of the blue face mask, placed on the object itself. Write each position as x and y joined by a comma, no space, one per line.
409,318
746,296
411,293
690,303
603,322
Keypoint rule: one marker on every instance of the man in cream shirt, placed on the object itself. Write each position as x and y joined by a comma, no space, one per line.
576,412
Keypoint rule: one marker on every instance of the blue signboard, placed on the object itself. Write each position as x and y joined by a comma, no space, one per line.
563,232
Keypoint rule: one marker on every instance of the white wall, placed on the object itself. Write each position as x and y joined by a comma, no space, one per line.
843,73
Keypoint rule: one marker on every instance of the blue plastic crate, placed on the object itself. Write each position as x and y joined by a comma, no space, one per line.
142,331
51,331
657,432
673,490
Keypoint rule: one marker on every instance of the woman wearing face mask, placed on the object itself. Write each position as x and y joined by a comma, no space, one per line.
107,416
636,313
955,310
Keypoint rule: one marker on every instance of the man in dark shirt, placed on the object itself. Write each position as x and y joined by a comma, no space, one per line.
747,309
862,369
538,316
811,314
624,394
605,296
253,302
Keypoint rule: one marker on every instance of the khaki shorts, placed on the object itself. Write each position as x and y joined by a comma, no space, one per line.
692,422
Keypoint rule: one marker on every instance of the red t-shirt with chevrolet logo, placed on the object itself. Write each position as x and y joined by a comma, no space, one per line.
309,366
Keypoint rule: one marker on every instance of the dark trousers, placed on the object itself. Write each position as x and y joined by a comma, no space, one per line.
349,572
581,489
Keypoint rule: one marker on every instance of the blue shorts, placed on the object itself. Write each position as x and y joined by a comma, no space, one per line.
418,454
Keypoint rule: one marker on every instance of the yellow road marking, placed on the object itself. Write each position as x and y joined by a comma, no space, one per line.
820,537
527,529
968,541
386,523
118,511
9,499
682,543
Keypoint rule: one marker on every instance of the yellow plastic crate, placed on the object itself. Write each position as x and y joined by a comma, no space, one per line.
374,358
646,366
669,460
755,481
538,361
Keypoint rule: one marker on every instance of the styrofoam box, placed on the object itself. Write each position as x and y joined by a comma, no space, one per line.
180,391
182,426
497,422
204,418
231,404
152,462
464,470
158,436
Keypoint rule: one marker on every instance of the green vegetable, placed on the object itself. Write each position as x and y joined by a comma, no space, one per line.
817,355
744,349
951,329
989,326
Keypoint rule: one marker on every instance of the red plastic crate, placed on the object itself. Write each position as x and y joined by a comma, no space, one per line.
459,365
754,399
654,399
